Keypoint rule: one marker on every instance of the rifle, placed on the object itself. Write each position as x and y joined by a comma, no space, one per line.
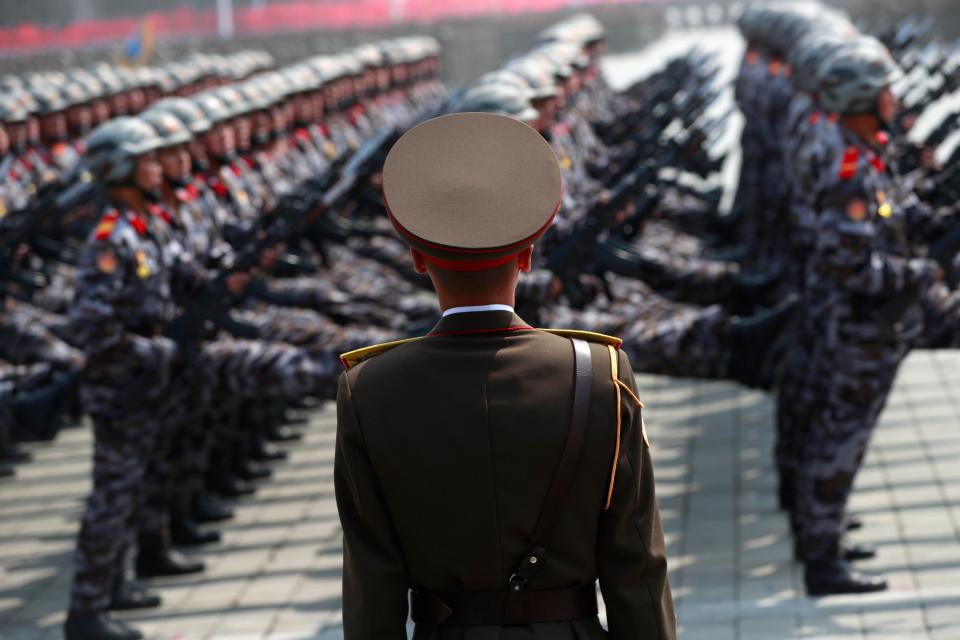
292,217
946,127
29,225
943,250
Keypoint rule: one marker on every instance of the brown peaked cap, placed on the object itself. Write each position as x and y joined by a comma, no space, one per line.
471,190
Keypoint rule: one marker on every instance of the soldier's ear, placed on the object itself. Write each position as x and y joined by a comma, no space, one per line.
525,259
419,261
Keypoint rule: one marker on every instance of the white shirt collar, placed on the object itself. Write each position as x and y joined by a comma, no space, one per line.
477,308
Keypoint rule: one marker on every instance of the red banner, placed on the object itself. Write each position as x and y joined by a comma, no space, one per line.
300,15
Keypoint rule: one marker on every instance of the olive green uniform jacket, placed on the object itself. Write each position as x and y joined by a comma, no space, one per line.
446,448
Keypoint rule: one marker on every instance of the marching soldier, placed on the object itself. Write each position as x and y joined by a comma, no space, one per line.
495,470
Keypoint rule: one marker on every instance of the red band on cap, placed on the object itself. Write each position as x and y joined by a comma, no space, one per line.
470,265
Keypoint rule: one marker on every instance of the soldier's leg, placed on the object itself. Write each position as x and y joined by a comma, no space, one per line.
121,448
848,406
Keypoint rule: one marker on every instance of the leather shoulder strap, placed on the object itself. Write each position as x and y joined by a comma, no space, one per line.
566,469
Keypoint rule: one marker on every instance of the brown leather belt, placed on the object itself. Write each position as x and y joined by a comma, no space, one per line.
491,607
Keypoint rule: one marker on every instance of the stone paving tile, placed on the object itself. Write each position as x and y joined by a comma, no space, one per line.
277,574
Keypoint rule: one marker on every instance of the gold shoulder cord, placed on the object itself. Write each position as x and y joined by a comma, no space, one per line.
618,385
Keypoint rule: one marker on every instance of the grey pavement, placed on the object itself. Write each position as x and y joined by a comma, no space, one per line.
276,575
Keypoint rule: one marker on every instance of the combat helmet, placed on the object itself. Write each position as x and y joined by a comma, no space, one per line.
498,98
187,111
851,80
113,147
170,128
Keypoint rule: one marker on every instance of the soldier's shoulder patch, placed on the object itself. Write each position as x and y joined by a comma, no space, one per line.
106,261
106,225
589,336
857,209
848,165
351,359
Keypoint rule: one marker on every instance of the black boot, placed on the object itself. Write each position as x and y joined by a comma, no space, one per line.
208,508
156,561
187,533
837,576
250,471
131,595
97,625
849,551
785,491
852,522
263,451
230,486
755,358
15,455
283,434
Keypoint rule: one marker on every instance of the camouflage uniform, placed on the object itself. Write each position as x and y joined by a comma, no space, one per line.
123,300
862,258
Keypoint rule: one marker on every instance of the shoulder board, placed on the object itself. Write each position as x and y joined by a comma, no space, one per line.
848,166
351,359
589,336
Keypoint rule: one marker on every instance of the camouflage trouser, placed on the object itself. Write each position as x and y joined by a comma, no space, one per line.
122,451
182,417
846,405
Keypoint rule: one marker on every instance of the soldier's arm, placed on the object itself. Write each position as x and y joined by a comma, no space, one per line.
845,252
374,573
107,293
631,553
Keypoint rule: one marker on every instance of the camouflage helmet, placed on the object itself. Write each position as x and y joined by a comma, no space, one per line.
48,99
212,107
537,75
92,84
113,147
851,80
187,111
369,55
259,95
12,110
170,128
234,101
507,77
75,94
498,98
808,55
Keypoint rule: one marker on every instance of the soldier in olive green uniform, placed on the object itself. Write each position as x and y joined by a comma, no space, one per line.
495,470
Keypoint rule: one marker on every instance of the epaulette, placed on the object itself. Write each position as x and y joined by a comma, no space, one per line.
848,166
589,336
351,359
106,225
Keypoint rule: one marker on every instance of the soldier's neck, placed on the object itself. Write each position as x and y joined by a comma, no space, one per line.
129,197
450,299
864,126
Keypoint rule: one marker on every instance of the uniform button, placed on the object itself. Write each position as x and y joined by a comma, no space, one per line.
533,559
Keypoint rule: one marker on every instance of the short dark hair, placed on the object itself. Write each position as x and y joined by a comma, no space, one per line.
474,282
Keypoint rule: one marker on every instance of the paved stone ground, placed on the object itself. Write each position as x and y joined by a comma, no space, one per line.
276,576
